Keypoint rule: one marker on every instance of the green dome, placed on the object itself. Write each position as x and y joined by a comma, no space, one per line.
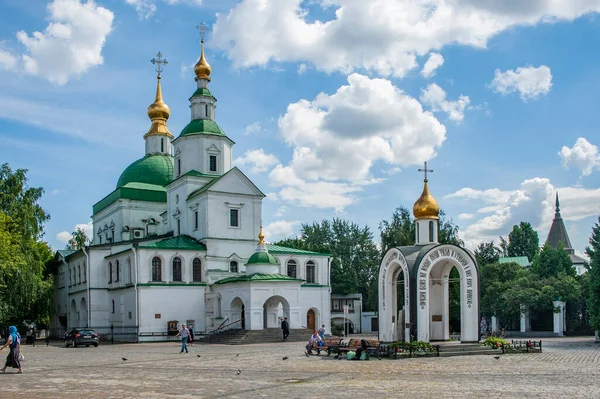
152,169
202,126
262,258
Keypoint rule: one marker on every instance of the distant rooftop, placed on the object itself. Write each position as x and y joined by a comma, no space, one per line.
520,260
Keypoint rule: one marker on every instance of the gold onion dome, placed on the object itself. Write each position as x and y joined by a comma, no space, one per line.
202,69
426,206
261,236
159,112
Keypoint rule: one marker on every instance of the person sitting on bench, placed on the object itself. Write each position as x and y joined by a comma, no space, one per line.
309,347
363,347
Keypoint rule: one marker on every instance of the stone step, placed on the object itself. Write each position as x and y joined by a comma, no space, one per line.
470,353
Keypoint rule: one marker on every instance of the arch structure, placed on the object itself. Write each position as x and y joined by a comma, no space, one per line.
426,293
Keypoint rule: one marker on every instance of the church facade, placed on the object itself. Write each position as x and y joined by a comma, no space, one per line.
176,241
414,283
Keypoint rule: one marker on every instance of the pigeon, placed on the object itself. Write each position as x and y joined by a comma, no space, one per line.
198,355
238,372
496,357
285,358
124,359
237,355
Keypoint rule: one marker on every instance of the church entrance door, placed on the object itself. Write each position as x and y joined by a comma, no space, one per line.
275,309
310,320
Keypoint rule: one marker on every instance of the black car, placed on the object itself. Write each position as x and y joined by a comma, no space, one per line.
78,337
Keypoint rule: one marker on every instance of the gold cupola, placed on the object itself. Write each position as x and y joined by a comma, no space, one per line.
202,69
426,206
261,236
158,111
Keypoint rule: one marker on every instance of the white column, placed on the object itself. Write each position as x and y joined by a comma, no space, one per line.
559,318
494,324
446,308
525,321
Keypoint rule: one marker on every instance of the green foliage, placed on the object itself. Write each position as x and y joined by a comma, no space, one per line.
523,240
495,342
26,292
355,259
414,346
593,251
499,283
79,240
487,253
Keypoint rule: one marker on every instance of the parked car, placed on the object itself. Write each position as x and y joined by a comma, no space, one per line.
78,337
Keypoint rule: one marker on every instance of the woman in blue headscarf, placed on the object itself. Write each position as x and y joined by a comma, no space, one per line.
14,342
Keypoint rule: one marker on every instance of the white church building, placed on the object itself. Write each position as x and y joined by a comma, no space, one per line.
176,242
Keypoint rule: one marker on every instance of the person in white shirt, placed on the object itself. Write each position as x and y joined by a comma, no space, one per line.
185,334
309,347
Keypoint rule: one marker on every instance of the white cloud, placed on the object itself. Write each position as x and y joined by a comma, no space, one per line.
65,236
145,9
529,81
70,45
376,35
533,202
435,97
258,160
302,68
279,230
7,60
466,216
435,61
583,155
252,128
280,211
337,138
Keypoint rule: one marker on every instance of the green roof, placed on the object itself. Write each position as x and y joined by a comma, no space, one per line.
203,126
257,277
520,260
182,242
66,252
203,92
135,192
154,169
262,258
195,173
277,249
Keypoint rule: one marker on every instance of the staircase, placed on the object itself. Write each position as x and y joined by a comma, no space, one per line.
458,349
243,337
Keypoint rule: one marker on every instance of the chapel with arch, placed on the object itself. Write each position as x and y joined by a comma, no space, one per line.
414,283
180,240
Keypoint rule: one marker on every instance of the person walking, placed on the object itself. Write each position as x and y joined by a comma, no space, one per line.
285,327
191,337
185,334
14,342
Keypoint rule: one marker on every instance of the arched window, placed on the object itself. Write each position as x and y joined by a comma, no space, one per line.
196,270
176,269
162,145
417,232
70,281
84,273
113,306
310,271
118,272
110,272
78,274
291,268
156,269
430,231
233,266
129,271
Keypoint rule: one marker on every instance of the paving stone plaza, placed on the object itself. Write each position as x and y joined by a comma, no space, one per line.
568,368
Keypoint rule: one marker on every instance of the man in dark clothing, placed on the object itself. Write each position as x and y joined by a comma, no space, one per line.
285,327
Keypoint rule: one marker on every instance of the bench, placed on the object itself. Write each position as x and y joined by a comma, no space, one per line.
373,347
330,344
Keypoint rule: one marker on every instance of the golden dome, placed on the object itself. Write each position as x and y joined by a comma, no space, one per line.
158,112
426,206
202,69
261,236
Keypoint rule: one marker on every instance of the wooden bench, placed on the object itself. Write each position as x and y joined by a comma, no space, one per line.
373,347
330,344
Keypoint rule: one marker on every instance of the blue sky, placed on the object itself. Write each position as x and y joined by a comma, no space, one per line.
333,104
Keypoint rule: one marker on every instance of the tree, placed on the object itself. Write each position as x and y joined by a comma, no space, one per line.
499,283
355,257
593,251
79,239
487,253
400,230
523,240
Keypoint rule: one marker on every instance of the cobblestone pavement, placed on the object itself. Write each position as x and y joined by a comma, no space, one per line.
568,368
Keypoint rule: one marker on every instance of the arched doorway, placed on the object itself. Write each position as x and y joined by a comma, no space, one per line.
274,309
311,320
238,311
84,313
436,281
343,326
394,297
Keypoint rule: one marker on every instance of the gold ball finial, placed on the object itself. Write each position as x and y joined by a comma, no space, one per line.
261,236
426,206
158,109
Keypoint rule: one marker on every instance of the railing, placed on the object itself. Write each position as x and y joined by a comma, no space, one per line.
217,333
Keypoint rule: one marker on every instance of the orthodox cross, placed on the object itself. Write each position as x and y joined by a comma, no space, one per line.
203,29
159,61
425,170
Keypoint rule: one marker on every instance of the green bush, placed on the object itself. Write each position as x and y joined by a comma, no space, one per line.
495,342
414,346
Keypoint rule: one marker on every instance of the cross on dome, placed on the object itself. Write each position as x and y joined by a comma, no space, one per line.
425,170
159,61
